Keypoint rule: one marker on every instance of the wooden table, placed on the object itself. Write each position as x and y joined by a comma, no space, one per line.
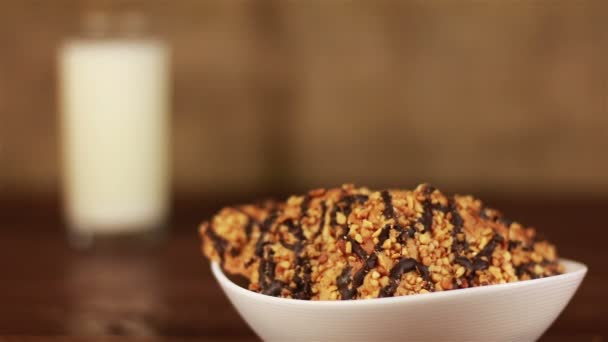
167,291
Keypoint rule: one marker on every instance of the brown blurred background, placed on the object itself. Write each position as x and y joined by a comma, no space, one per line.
490,96
506,99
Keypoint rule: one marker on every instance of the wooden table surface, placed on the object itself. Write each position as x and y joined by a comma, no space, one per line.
167,291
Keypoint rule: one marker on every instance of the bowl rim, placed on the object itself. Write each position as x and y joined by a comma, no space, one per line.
574,269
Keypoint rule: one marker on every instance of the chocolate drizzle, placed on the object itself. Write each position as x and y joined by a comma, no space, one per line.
266,270
303,269
295,229
482,260
483,214
219,244
345,205
404,265
426,219
251,222
322,220
463,261
264,228
507,222
304,206
303,288
526,269
513,244
384,235
389,213
424,273
343,282
389,210
458,246
274,288
266,267
292,230
357,249
249,227
427,216
494,216
347,286
490,247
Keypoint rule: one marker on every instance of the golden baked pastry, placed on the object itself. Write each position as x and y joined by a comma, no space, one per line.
354,243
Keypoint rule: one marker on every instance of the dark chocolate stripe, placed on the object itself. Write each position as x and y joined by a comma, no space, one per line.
361,198
439,207
526,268
384,235
405,233
347,286
264,228
251,222
424,272
404,265
274,288
458,247
513,244
455,218
480,264
357,249
269,285
249,227
370,263
249,262
483,214
463,261
428,189
490,247
343,282
322,220
295,229
304,206
529,248
303,283
332,216
263,271
427,216
345,206
495,216
389,210
219,244
507,222
346,203
303,270
286,244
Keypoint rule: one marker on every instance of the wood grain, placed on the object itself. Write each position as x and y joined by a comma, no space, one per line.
167,291
467,94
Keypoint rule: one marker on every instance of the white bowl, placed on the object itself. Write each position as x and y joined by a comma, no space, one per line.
519,311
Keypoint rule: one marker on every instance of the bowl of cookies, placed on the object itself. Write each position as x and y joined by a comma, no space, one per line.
357,264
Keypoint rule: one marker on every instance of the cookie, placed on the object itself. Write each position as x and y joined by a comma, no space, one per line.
354,243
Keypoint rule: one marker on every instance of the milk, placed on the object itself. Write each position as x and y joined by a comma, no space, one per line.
114,100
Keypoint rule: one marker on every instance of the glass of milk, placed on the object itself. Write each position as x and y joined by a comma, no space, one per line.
114,111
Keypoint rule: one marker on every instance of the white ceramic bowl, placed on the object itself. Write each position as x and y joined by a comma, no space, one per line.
519,311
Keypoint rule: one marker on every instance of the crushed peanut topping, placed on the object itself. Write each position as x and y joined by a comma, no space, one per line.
353,243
